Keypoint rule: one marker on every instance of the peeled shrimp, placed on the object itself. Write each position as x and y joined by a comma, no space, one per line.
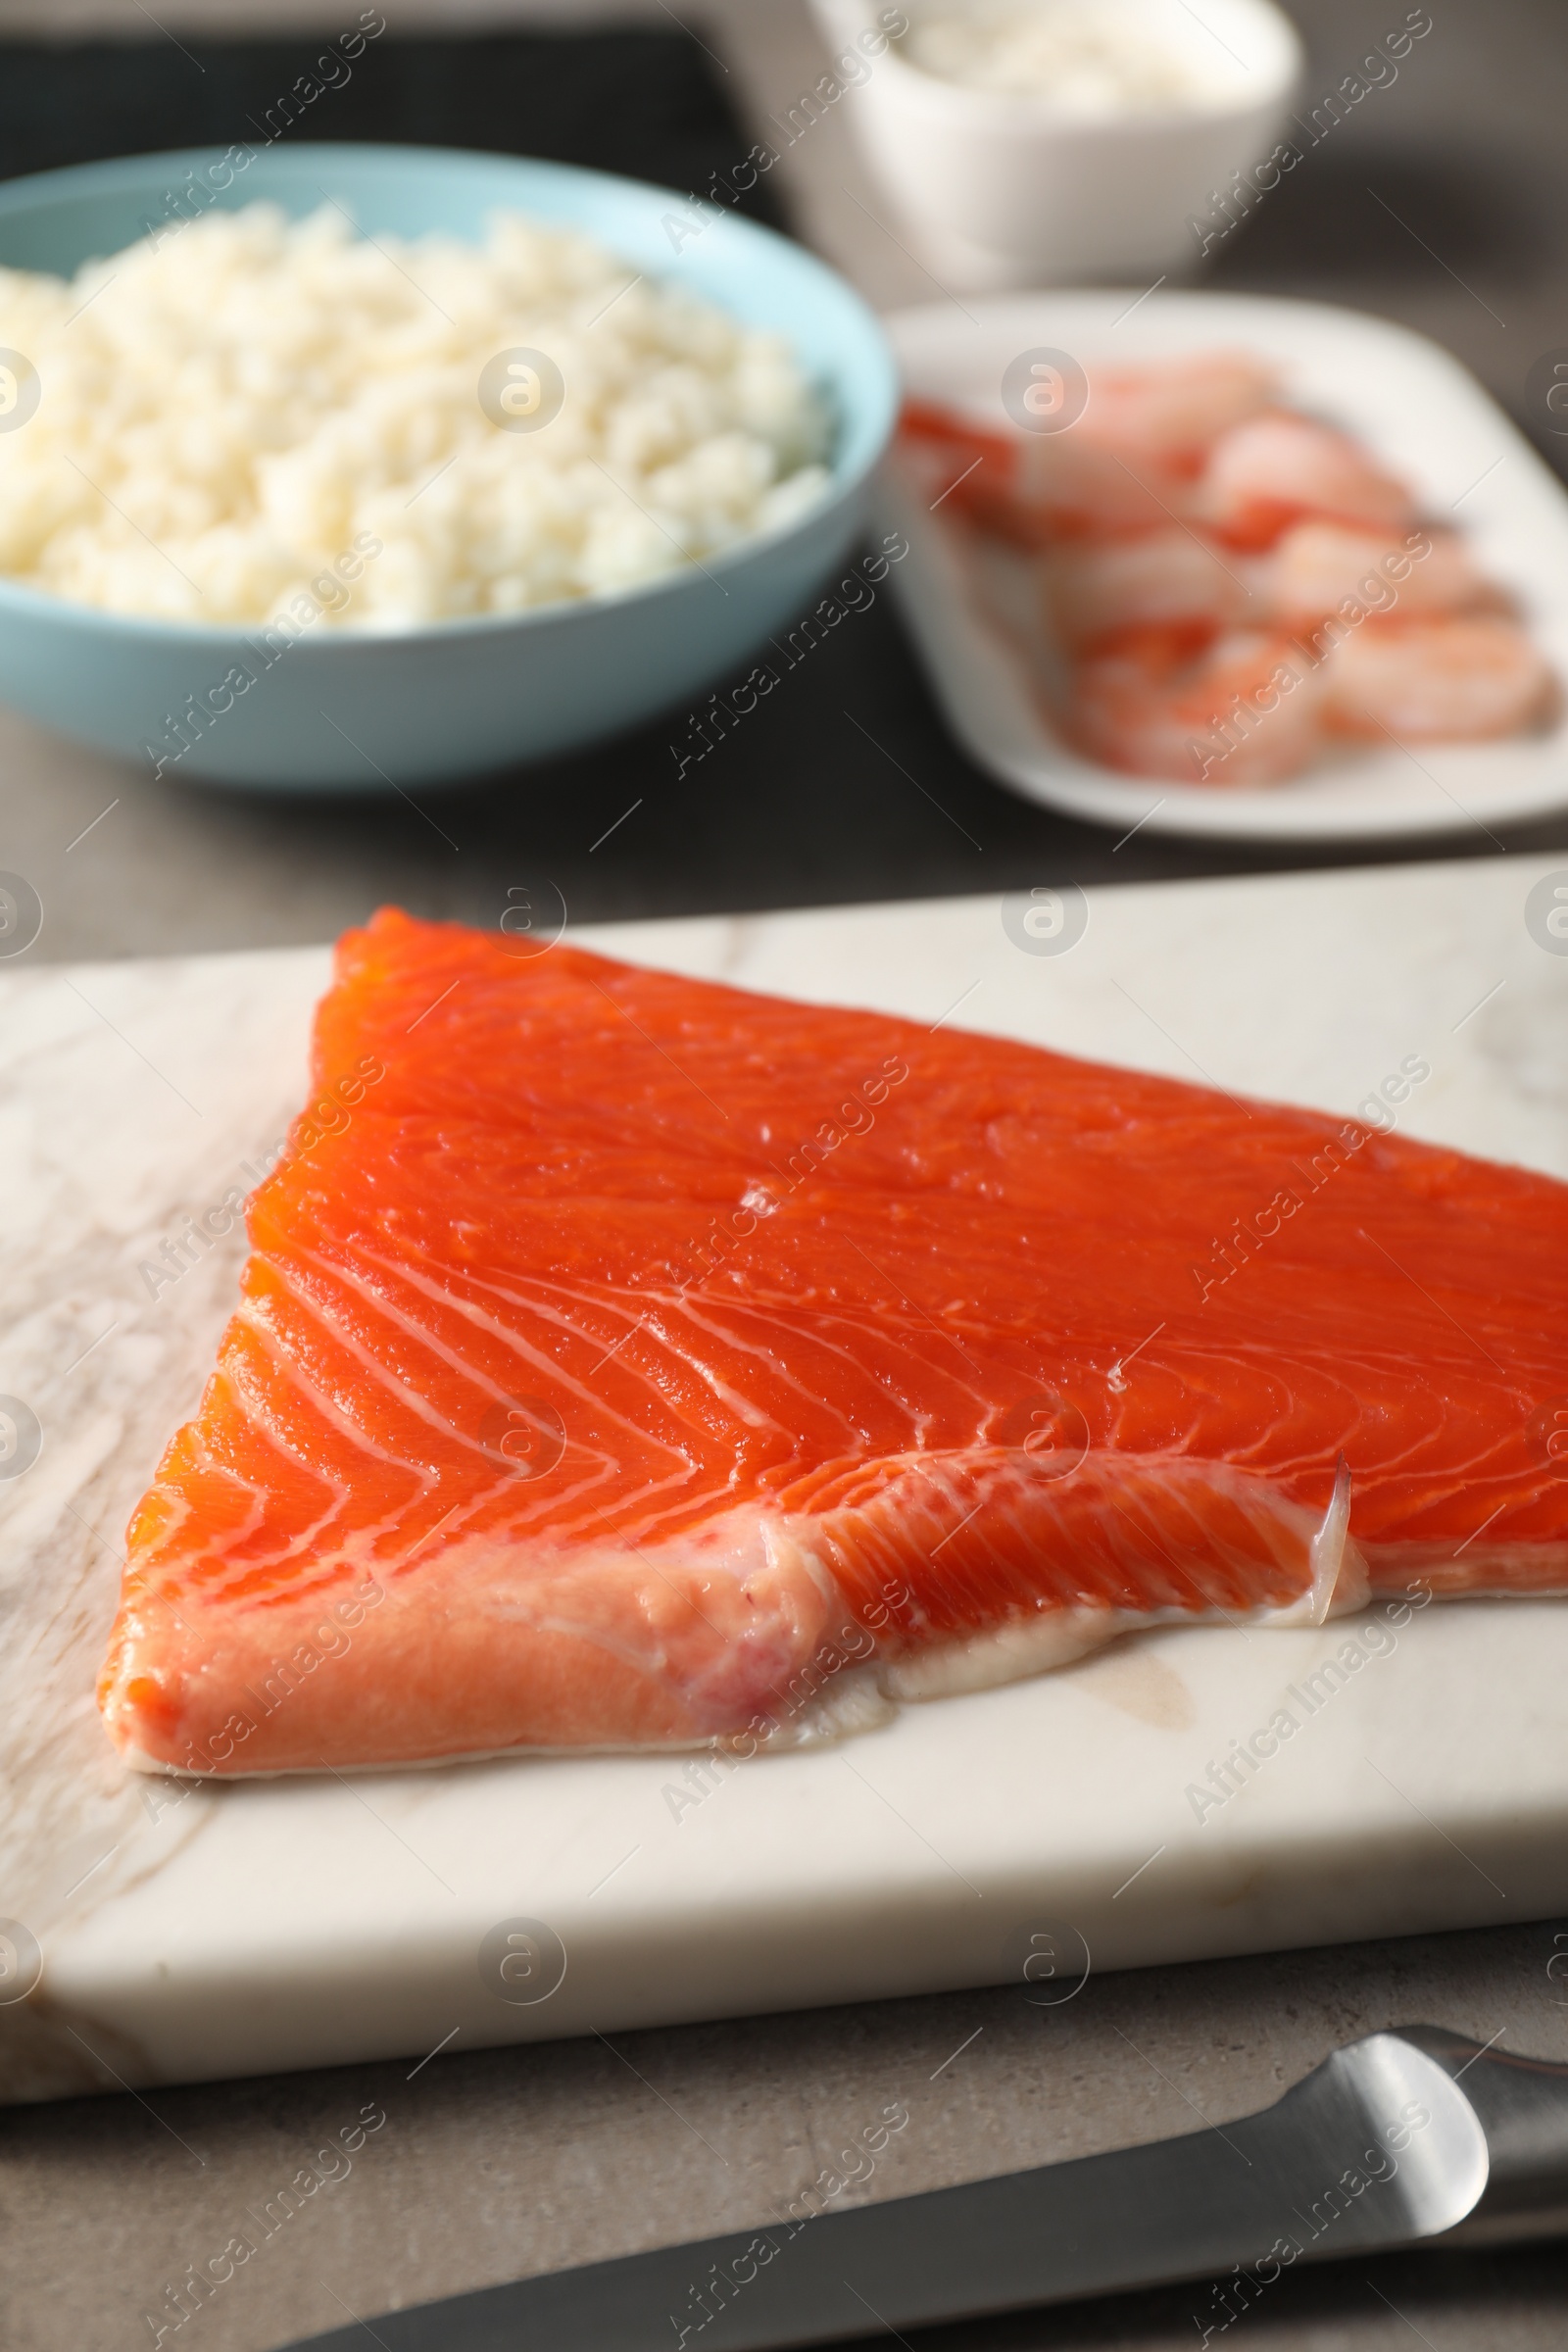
1084,490
1093,590
1229,580
1125,465
1240,709
1167,414
1034,490
1465,679
1270,472
1319,567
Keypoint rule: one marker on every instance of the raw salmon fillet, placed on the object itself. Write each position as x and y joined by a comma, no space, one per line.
625,1360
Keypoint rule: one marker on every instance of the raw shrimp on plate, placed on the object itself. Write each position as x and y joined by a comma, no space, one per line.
1238,708
1233,583
1465,678
1128,464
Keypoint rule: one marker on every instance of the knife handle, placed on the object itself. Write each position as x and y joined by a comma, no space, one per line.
1521,2106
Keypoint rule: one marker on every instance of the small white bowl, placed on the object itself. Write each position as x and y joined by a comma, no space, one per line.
1009,191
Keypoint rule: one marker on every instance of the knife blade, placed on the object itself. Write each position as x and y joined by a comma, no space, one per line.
1410,2137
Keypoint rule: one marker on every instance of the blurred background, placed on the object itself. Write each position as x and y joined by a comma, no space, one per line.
1440,201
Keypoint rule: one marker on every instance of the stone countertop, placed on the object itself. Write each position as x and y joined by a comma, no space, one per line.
521,2160
504,2161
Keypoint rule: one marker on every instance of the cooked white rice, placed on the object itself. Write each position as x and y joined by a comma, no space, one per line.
229,408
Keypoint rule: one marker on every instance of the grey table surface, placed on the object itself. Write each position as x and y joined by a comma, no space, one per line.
493,2163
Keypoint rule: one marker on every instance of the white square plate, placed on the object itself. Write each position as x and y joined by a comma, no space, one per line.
1417,409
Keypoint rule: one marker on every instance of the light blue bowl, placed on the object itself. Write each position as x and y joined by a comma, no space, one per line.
427,705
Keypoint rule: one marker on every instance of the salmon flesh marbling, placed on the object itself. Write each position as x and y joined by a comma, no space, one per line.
626,1360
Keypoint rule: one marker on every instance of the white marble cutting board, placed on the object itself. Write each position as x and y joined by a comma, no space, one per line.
303,1922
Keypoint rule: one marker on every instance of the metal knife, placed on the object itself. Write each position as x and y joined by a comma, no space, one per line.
1408,2138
